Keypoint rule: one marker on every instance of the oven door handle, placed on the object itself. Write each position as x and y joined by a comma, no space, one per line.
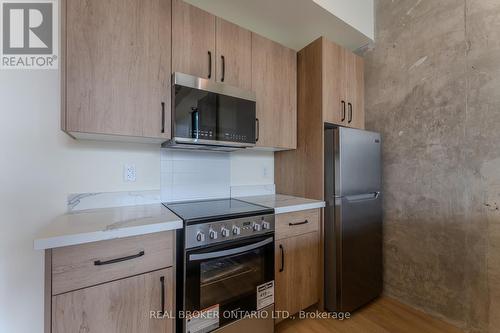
218,254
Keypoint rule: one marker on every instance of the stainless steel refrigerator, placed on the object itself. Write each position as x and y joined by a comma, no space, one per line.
353,218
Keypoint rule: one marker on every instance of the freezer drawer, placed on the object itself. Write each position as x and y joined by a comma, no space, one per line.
353,251
359,222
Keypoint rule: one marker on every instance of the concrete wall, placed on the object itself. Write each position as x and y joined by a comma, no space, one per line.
433,91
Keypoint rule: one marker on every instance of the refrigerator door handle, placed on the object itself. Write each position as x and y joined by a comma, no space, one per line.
363,197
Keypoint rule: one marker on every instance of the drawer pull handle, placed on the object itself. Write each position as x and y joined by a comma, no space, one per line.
114,261
298,223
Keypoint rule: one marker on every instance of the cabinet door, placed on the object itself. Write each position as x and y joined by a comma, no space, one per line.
334,84
354,67
297,269
234,54
274,80
193,40
122,306
118,67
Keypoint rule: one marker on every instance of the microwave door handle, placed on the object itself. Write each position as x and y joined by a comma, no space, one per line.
224,253
195,123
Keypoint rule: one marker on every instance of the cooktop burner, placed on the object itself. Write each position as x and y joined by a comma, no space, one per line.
210,210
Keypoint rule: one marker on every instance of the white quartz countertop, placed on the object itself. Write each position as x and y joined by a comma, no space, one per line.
106,223
284,203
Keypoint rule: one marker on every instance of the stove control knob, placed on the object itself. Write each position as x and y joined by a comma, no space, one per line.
266,225
256,227
200,236
212,234
236,230
224,232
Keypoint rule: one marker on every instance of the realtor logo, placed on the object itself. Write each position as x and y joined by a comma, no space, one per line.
29,34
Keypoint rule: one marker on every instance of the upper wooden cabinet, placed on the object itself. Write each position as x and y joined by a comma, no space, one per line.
234,55
209,47
117,69
116,72
274,80
355,91
342,85
193,40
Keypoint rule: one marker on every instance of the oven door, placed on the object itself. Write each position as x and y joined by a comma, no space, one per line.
226,277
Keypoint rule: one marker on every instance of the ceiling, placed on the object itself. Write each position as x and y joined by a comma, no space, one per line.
293,23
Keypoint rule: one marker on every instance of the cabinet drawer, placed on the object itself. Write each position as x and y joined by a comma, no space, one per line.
297,223
80,266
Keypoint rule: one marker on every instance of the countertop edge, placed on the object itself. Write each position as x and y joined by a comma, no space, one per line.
95,236
297,208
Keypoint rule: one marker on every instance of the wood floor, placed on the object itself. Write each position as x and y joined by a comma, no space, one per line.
383,316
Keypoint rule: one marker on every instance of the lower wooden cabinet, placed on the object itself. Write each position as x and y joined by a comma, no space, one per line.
113,286
297,272
121,306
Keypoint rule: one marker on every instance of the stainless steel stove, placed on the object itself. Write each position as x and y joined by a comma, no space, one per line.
225,266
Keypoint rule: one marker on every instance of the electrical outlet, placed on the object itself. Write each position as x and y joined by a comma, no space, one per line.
129,173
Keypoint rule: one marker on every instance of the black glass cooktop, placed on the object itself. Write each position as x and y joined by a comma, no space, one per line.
218,209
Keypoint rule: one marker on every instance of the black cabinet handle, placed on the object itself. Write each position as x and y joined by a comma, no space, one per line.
209,64
343,111
350,113
298,223
258,129
223,68
162,281
114,261
163,117
282,258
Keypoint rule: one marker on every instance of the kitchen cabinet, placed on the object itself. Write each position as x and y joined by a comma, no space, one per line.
274,80
111,286
329,90
234,55
193,40
117,307
116,69
209,47
342,82
355,90
297,252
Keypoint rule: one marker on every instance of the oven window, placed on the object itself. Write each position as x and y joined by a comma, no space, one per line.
228,279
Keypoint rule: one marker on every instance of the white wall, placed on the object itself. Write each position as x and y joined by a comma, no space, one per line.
39,167
357,13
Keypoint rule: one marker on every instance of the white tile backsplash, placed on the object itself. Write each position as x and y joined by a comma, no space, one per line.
252,190
192,175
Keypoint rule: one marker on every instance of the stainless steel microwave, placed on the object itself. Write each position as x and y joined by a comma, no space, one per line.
211,115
